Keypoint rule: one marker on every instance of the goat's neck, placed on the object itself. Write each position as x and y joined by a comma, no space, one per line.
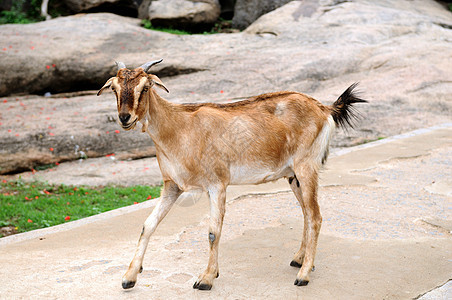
164,120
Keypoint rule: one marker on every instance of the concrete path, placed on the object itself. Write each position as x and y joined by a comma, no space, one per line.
387,211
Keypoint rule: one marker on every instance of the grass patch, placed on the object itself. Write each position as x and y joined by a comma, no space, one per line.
29,11
27,206
148,25
365,141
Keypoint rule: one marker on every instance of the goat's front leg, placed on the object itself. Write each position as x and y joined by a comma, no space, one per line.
307,177
217,209
169,195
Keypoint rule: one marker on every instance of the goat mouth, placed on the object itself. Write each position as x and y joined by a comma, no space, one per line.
130,125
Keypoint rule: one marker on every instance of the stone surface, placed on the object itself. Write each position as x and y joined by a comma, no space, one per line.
184,14
248,11
399,51
143,9
443,292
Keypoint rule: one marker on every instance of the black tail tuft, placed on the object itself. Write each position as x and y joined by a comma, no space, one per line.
343,111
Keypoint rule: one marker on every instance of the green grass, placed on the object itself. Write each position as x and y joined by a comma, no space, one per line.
29,11
365,141
32,205
147,24
20,14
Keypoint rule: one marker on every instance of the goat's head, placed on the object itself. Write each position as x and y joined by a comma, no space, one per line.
132,89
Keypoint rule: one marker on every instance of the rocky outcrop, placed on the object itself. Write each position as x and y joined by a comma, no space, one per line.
143,9
193,15
248,11
399,51
43,57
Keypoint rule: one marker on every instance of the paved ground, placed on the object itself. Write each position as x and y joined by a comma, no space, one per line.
387,234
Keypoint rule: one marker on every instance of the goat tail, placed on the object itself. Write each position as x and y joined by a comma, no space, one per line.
342,111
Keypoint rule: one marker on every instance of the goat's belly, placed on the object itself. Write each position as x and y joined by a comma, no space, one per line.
255,175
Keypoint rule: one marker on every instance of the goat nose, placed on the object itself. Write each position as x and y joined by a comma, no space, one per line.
124,118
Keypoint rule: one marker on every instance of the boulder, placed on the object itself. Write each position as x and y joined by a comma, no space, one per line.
247,11
143,9
193,15
316,48
43,57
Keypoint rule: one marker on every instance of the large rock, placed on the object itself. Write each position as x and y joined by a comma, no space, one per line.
193,15
42,58
143,9
247,11
399,51
72,53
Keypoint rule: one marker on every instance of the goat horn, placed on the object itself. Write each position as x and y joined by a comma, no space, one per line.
120,65
148,65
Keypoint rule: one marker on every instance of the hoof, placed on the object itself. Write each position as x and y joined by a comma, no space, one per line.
141,269
128,284
295,264
202,286
301,282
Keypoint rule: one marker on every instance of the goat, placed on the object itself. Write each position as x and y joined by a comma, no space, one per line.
210,146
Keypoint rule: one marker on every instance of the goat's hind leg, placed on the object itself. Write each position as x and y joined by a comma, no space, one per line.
306,193
169,195
298,258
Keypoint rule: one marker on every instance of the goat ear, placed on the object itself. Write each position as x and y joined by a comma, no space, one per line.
158,82
106,86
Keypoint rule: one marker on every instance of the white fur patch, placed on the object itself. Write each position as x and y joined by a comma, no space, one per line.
254,174
322,142
280,109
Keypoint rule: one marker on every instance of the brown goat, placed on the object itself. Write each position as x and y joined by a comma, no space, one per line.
210,146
